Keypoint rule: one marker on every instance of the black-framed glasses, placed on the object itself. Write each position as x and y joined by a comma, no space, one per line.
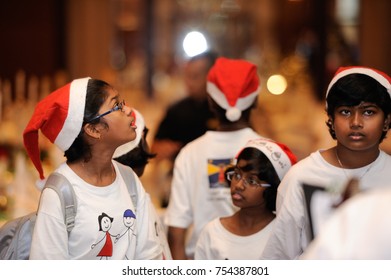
118,106
235,176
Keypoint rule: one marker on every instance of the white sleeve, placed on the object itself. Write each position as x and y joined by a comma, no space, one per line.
358,229
203,245
179,210
290,234
148,244
50,237
160,232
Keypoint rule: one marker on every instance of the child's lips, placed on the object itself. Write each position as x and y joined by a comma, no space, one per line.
356,136
237,196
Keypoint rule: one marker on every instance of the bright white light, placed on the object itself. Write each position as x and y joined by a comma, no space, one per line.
276,84
194,43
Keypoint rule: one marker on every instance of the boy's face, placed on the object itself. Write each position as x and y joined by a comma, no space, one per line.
360,127
195,76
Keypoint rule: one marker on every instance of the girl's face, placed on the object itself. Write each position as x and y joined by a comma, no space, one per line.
121,128
105,224
246,192
360,127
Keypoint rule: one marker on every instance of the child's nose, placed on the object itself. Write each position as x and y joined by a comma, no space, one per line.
356,120
127,110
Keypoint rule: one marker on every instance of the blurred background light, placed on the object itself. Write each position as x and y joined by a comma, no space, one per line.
276,84
194,43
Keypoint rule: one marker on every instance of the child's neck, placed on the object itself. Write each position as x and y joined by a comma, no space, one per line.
349,159
246,222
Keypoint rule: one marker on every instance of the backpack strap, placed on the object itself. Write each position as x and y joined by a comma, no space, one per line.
127,174
60,184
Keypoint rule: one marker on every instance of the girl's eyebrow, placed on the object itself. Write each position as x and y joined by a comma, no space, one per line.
361,105
367,105
115,98
251,172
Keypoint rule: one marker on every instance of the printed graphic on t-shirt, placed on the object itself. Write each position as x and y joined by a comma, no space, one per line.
105,224
216,169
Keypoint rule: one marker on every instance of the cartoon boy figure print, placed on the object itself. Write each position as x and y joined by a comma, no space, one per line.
105,223
129,222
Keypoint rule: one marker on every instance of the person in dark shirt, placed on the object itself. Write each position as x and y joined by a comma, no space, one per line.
190,117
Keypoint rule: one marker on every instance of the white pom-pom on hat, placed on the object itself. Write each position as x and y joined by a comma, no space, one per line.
234,85
233,114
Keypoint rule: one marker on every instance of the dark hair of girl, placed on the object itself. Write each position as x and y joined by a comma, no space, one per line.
95,97
353,89
139,157
257,161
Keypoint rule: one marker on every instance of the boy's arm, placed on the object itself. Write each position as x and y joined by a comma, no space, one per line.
176,240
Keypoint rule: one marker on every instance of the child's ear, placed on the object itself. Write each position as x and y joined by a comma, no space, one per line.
91,131
387,122
330,121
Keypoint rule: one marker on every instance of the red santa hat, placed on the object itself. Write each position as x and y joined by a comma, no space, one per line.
140,125
379,76
279,154
59,116
234,85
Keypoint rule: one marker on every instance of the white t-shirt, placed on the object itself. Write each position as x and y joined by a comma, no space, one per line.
199,193
359,229
292,233
217,243
106,223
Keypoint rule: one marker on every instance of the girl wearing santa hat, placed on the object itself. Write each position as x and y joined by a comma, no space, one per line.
358,106
87,120
260,166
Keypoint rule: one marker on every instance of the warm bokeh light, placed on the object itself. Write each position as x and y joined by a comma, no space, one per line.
276,84
194,43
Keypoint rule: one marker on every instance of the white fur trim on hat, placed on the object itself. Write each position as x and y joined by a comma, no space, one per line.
241,104
74,120
281,159
361,70
140,125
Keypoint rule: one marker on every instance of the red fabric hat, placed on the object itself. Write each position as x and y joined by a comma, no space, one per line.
59,116
234,85
279,154
379,76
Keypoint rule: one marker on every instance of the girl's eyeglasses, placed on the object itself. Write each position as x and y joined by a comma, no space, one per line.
118,106
234,176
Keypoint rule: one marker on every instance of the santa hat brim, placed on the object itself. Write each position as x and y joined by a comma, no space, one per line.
379,76
280,156
219,97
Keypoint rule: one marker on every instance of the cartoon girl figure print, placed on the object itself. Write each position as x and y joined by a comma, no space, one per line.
105,223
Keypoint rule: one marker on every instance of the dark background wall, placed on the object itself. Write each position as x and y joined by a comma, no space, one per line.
31,37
